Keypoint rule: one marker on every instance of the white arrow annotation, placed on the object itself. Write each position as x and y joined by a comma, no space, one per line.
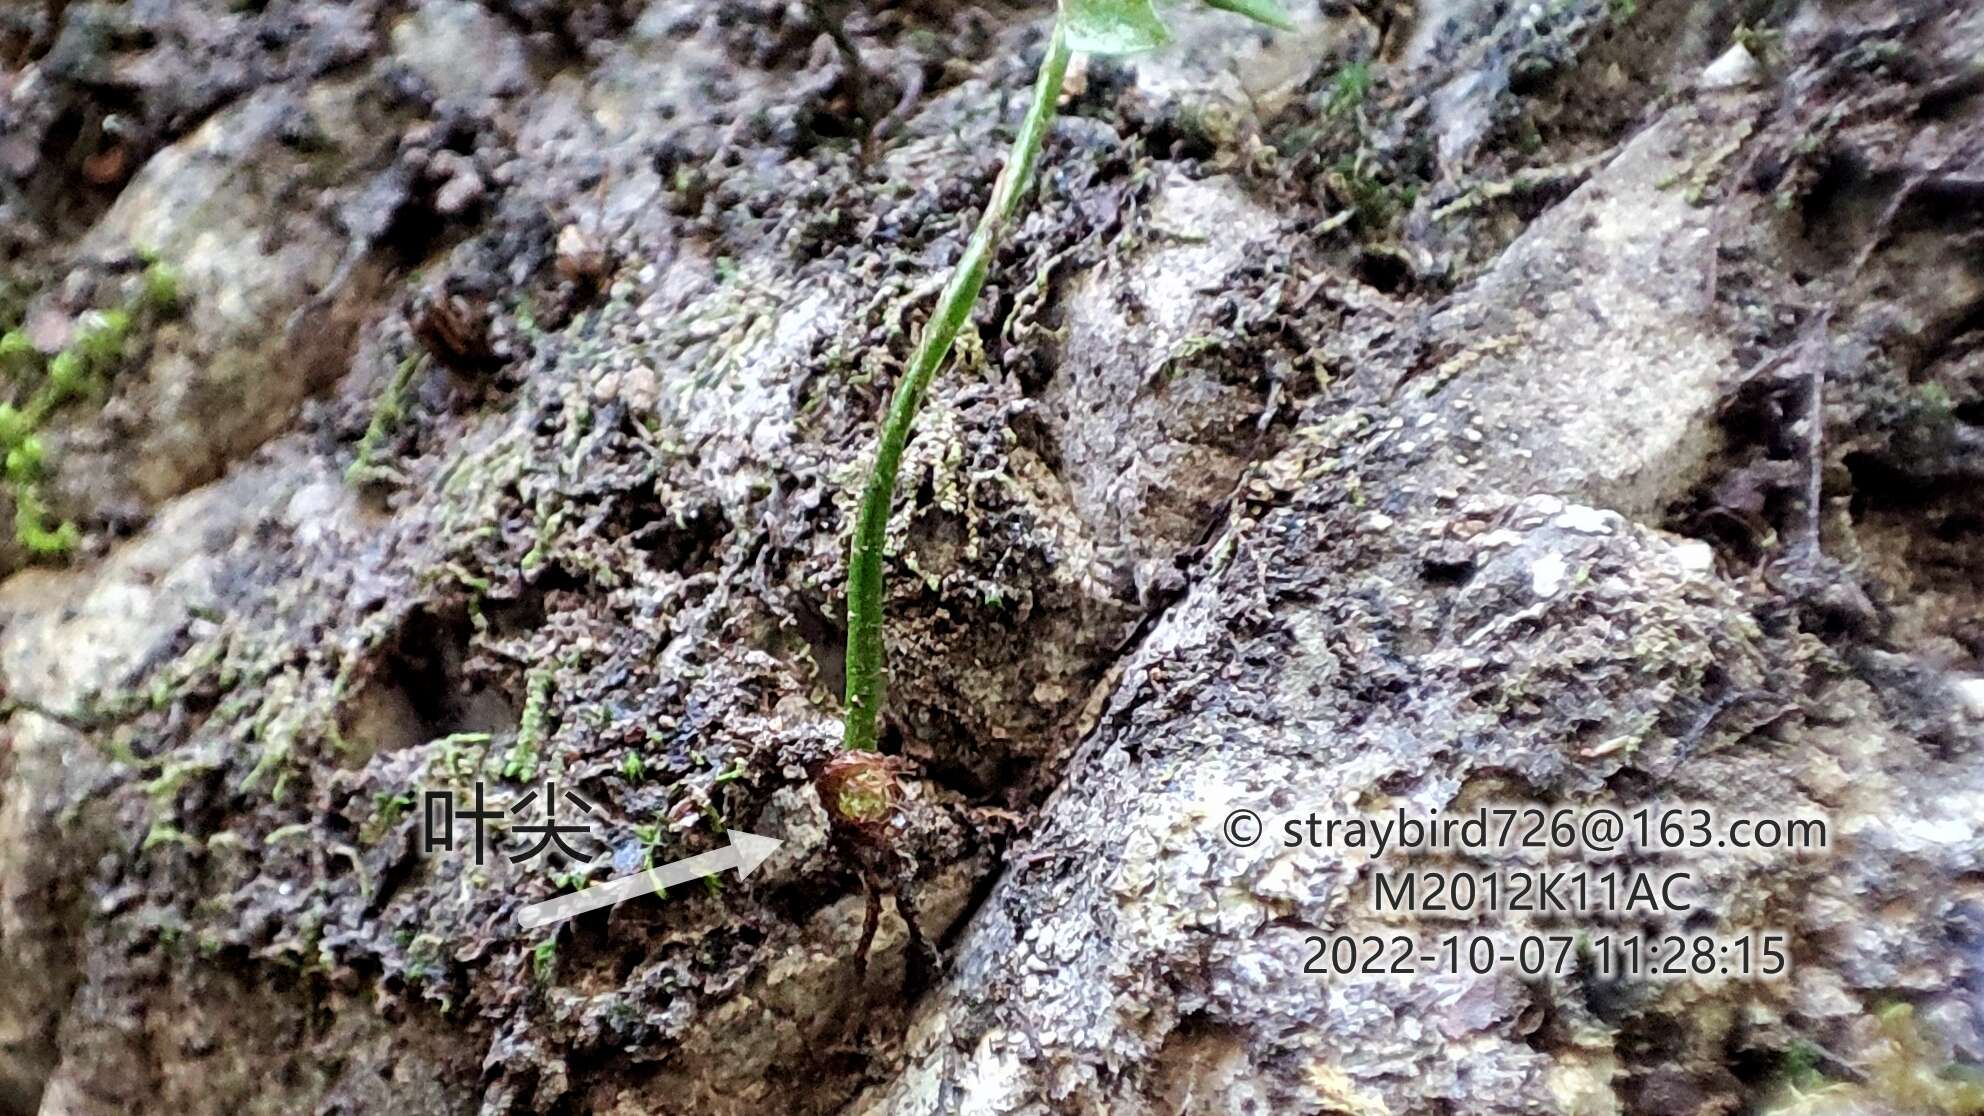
746,852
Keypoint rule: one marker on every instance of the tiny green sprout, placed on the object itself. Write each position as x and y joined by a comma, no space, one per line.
651,837
1093,26
633,768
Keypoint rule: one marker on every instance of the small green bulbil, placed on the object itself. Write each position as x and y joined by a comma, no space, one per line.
866,799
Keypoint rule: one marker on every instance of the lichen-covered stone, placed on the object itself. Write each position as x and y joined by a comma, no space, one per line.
1329,437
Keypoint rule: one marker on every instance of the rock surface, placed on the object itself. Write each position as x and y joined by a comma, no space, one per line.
1440,404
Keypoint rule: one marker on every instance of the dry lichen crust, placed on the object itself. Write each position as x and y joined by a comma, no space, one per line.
1449,448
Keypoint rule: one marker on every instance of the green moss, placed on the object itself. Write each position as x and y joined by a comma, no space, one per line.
1903,1070
1529,137
1349,89
67,376
14,426
548,524
387,810
168,781
159,288
18,358
275,730
103,342
103,338
453,759
14,297
1365,185
34,531
1765,44
386,416
1197,345
522,762
651,838
24,459
162,834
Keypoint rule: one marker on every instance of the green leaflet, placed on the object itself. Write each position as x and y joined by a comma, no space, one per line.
1260,11
1113,26
1129,26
